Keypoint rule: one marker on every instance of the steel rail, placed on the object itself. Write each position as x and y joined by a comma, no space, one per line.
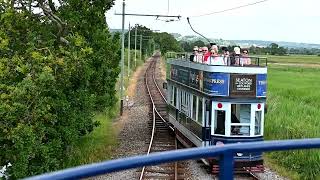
154,112
153,121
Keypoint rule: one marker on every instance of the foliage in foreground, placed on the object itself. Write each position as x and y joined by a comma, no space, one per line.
293,113
57,66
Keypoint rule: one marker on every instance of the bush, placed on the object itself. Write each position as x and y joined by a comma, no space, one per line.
51,82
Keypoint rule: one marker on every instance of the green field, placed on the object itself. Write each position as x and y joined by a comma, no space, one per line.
295,59
294,112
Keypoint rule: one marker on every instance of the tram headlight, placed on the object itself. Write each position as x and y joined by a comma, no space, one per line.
239,154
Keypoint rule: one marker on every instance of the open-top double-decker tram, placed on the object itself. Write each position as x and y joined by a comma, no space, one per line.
211,105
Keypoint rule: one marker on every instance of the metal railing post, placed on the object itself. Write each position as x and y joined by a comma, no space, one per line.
226,162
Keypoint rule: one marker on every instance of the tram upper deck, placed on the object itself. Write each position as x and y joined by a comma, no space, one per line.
225,81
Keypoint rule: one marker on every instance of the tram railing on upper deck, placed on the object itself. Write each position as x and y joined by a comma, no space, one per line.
247,61
225,154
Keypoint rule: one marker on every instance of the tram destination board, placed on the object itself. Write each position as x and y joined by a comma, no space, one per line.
243,85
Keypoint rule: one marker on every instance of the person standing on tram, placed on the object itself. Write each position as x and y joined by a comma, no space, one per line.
200,55
245,59
235,57
215,59
206,54
226,57
194,54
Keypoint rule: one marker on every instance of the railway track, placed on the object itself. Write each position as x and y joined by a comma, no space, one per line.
162,136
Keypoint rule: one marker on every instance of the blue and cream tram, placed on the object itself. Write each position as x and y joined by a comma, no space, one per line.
214,105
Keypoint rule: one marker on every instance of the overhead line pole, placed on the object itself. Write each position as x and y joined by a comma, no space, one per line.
122,46
141,47
135,47
122,59
129,51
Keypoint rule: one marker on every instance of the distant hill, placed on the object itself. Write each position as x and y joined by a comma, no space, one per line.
242,43
280,43
246,43
192,38
117,30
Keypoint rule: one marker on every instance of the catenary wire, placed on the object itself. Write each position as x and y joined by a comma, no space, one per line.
230,9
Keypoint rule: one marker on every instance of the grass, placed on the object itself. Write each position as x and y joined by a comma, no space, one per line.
298,59
98,145
294,113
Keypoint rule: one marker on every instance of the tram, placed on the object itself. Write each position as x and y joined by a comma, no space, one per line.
213,105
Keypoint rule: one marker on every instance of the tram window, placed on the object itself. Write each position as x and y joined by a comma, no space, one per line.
174,96
257,124
181,99
200,109
188,104
219,122
194,107
208,112
240,130
240,114
171,88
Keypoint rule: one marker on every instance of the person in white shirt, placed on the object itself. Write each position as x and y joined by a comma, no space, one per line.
215,58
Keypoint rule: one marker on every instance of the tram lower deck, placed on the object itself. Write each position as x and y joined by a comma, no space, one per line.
213,106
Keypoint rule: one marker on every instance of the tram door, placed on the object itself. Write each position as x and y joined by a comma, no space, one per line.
220,115
207,123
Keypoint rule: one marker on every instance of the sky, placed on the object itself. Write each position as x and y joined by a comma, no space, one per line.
273,20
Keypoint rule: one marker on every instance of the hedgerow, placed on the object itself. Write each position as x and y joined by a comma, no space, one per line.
58,64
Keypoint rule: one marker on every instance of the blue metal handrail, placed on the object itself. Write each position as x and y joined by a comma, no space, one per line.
226,154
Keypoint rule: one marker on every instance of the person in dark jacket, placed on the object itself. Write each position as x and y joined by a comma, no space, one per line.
194,53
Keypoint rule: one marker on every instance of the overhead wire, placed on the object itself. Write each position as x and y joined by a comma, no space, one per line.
221,11
230,9
196,31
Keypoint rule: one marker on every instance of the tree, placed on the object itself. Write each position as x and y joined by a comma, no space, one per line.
186,46
58,65
198,43
147,36
166,42
275,49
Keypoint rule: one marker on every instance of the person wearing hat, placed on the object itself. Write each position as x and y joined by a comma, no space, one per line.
235,56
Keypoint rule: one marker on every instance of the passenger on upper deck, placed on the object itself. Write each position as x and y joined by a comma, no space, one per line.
245,60
226,57
199,57
235,56
215,59
206,54
194,53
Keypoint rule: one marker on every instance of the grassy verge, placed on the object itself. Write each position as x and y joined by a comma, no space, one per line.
293,113
98,145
